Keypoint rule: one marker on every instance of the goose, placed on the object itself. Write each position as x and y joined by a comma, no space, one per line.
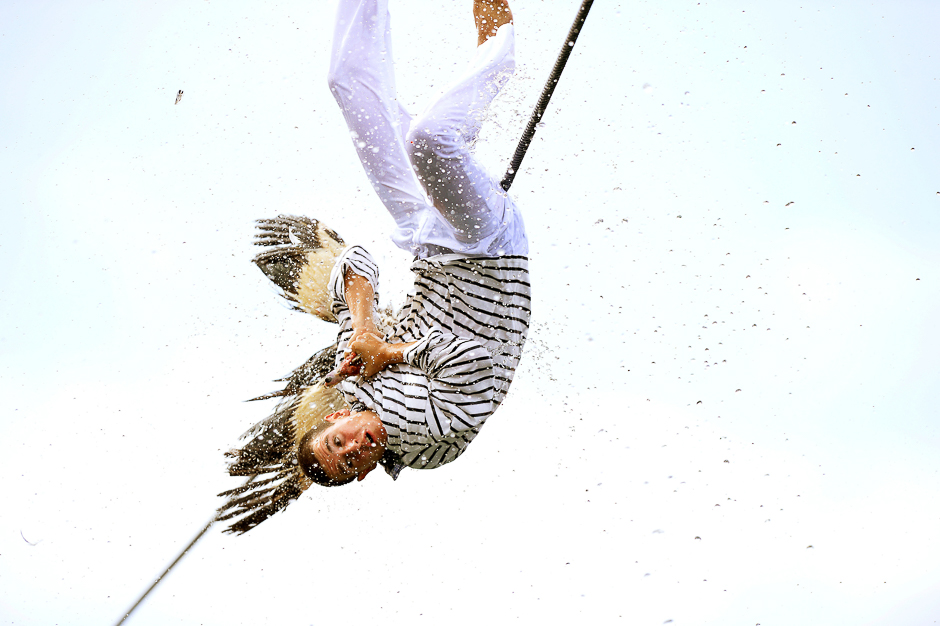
299,256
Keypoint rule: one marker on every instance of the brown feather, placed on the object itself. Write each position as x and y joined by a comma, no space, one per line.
271,448
303,252
300,256
248,522
244,488
307,375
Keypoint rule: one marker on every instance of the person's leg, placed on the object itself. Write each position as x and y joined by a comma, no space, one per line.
467,196
363,82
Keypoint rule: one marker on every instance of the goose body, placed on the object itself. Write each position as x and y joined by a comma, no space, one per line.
301,253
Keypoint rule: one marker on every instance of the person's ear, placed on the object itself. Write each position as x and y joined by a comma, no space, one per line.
332,417
362,475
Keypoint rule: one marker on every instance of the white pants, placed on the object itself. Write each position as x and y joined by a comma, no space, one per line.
440,196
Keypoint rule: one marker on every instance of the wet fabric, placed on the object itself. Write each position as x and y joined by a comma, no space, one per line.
441,198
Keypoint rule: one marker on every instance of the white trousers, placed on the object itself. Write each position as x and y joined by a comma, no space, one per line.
440,196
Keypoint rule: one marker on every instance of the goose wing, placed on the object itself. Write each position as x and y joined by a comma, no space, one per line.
300,254
270,454
307,375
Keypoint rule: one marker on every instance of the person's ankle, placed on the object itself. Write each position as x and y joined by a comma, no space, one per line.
489,15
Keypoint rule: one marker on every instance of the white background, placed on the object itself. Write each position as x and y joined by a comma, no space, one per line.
728,417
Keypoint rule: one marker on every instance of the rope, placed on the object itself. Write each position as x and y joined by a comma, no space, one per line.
546,95
177,560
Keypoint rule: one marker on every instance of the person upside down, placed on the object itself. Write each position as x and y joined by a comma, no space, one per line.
425,392
419,390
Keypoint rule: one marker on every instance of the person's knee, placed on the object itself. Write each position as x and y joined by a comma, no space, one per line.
431,140
345,73
339,82
422,136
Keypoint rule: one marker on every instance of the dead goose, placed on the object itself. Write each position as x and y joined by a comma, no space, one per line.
303,252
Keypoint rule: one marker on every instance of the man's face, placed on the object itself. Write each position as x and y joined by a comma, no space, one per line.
352,445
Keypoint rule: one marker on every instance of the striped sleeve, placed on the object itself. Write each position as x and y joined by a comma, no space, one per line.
359,261
461,381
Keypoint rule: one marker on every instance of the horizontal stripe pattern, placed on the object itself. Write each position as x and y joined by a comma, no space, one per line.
470,317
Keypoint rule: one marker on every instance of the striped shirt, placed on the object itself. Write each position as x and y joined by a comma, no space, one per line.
469,317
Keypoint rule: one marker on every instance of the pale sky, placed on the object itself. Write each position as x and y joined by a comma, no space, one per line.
727,408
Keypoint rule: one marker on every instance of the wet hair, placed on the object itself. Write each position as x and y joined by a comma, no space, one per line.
310,464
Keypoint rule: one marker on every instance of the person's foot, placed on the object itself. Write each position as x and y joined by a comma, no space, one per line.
489,15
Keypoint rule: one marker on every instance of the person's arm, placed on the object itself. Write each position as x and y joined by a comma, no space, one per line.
360,300
366,341
461,380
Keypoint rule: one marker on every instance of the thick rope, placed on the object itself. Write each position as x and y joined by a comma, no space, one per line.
177,560
546,94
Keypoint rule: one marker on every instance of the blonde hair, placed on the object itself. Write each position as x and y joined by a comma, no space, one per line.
271,450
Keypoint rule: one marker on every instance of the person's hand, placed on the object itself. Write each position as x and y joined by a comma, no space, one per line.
367,354
373,350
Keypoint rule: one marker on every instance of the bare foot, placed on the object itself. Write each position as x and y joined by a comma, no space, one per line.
489,15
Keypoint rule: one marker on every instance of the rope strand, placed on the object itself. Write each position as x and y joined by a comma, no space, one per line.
177,560
546,95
